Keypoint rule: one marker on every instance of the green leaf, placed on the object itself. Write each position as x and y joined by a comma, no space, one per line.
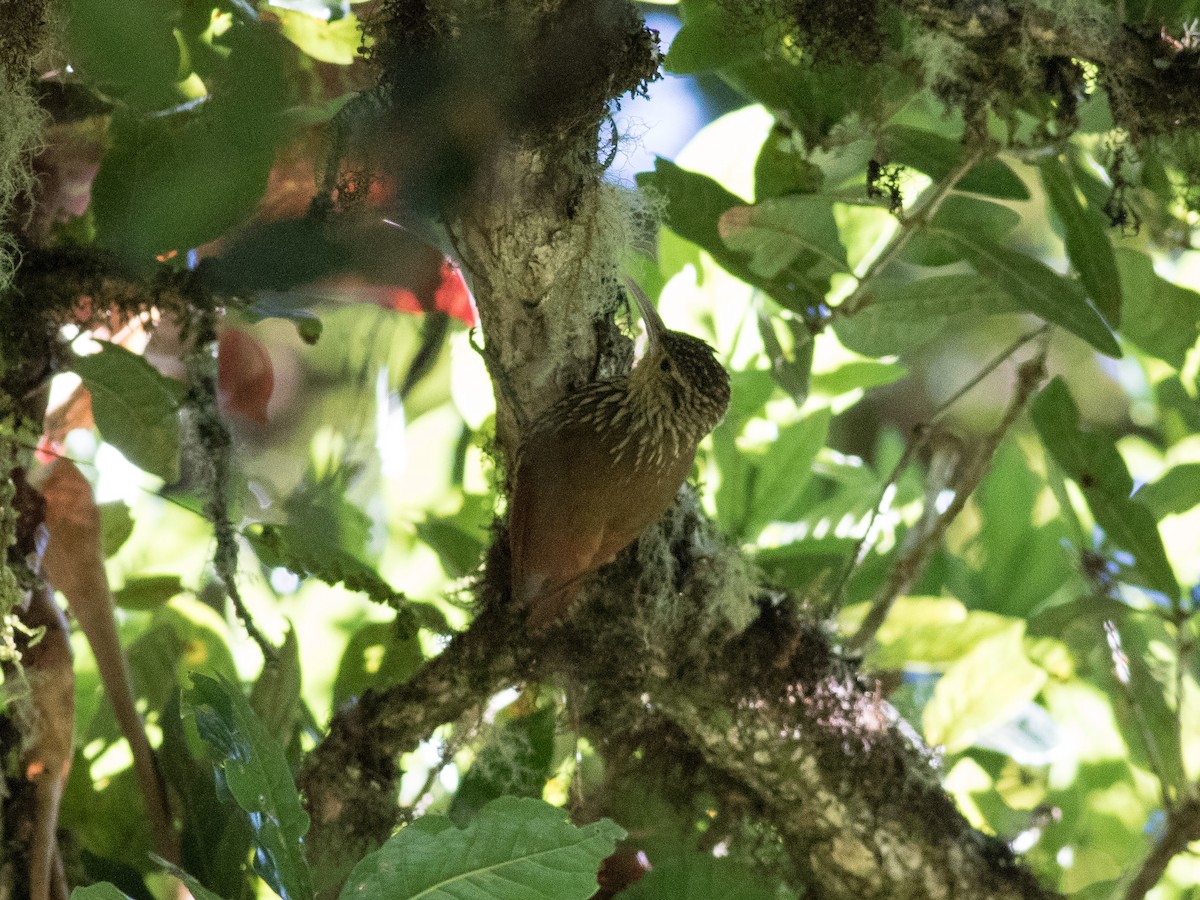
1091,459
258,777
959,213
116,525
1016,564
1176,491
792,372
710,40
795,232
376,657
127,50
275,697
515,849
135,408
937,157
178,181
815,99
515,762
148,591
1179,411
183,635
308,326
1037,288
1131,526
783,168
931,631
173,184
1098,890
750,392
1145,701
695,204
698,877
335,40
321,514
1162,318
904,315
459,540
106,816
216,835
983,689
857,375
784,470
1088,246
1095,464
801,564
98,868
102,891
1157,12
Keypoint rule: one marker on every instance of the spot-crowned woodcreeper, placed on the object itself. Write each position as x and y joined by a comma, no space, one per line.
605,462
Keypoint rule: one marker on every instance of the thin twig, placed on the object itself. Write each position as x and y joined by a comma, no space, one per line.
996,362
921,435
910,565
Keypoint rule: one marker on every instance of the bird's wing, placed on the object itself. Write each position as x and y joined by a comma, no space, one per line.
559,509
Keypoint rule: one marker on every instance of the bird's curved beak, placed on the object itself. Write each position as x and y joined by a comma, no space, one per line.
655,329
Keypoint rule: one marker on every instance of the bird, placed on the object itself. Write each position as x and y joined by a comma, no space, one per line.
605,462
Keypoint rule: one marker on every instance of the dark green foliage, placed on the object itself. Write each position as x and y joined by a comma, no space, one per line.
378,657
938,156
1097,467
256,774
288,547
180,180
1088,246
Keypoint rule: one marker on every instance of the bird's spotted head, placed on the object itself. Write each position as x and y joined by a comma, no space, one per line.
681,376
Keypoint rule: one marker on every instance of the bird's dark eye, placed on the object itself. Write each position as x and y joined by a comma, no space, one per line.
665,365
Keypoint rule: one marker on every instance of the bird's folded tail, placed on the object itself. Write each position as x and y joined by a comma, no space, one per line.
549,604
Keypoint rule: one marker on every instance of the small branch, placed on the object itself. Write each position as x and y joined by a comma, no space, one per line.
348,781
921,436
996,362
927,207
908,568
1183,827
